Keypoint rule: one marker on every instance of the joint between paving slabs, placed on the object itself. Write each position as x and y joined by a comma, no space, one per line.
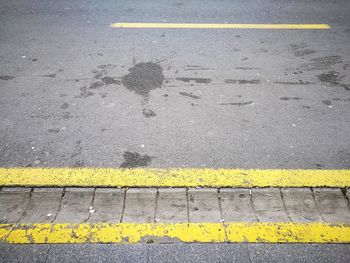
222,219
27,206
187,206
316,204
284,206
252,205
155,220
59,205
344,191
91,206
220,207
123,208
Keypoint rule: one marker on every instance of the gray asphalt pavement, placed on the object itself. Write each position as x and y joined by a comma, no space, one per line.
176,253
75,92
70,91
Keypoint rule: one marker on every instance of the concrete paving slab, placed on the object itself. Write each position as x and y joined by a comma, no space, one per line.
13,203
300,204
16,189
332,205
47,189
268,205
236,205
75,205
43,206
172,205
140,205
108,205
203,205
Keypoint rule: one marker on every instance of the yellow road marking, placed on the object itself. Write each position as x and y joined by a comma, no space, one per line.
184,232
220,26
187,177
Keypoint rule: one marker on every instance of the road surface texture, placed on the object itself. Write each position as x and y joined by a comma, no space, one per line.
76,92
243,98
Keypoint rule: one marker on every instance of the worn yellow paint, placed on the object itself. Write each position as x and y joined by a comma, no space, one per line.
187,177
220,26
170,232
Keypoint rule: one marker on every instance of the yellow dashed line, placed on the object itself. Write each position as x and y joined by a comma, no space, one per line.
220,26
187,177
184,232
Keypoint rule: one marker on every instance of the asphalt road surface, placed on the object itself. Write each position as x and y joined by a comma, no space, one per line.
76,92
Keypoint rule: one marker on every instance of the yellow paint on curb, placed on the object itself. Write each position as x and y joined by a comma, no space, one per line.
187,177
184,232
219,26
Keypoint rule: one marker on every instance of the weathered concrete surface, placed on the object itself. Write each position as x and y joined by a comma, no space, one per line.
172,205
300,204
236,205
43,206
75,205
140,205
203,205
332,205
108,205
268,205
13,203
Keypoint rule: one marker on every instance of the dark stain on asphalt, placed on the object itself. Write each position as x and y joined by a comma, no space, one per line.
99,73
327,102
53,130
64,106
246,68
333,77
52,75
189,95
242,81
304,52
330,77
290,98
134,159
306,107
148,113
300,82
110,81
197,80
195,67
84,93
322,63
7,77
238,103
96,85
299,45
143,78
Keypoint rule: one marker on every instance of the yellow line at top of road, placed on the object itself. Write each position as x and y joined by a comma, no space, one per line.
262,232
176,177
219,26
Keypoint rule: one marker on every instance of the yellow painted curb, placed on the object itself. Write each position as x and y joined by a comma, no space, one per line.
219,26
192,232
187,177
